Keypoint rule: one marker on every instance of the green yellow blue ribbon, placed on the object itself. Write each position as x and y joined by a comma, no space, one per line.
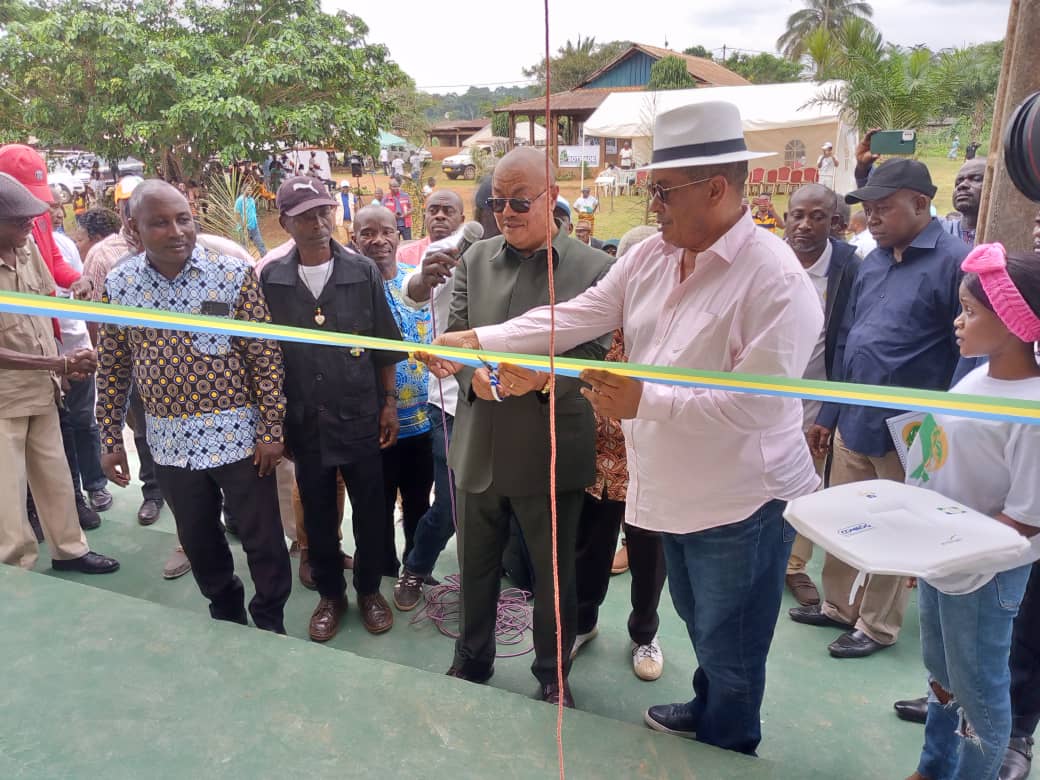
898,398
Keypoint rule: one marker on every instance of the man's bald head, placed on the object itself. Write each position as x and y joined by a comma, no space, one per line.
162,222
151,189
814,195
526,160
519,186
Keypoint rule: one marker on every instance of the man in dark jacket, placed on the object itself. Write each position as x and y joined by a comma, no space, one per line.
500,443
831,264
340,403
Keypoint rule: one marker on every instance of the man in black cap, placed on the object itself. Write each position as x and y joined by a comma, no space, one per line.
341,403
31,370
897,331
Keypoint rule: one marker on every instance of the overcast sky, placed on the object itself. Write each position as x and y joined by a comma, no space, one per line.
447,46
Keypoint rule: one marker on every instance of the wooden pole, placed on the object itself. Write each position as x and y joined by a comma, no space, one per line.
1005,215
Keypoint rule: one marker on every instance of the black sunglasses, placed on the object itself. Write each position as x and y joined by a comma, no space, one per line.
519,205
661,193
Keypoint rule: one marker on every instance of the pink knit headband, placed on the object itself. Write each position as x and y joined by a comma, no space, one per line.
989,261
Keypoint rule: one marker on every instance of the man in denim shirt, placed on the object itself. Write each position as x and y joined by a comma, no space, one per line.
897,331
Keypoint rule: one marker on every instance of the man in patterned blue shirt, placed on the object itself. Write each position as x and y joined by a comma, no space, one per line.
408,464
213,404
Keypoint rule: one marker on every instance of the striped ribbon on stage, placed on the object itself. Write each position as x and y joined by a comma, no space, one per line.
898,398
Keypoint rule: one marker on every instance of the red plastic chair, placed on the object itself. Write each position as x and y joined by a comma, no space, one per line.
769,187
796,179
755,182
811,175
783,179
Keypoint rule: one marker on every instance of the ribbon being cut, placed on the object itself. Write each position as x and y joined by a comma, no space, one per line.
898,398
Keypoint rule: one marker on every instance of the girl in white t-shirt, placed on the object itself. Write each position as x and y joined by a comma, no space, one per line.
990,466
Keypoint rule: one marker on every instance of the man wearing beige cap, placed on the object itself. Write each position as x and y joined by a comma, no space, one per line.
710,470
31,372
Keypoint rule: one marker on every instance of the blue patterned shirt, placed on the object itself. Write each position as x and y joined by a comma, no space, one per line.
412,376
208,399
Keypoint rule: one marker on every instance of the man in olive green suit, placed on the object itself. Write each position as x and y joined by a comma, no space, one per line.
500,448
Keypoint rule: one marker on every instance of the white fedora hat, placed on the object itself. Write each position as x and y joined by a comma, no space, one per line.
706,133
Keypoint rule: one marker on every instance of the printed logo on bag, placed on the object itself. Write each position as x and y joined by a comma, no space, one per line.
853,530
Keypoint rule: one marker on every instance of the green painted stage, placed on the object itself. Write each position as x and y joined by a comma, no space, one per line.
125,676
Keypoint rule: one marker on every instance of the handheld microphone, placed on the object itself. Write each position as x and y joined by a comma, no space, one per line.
461,240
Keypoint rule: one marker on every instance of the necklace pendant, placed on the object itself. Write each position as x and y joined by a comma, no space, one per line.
319,318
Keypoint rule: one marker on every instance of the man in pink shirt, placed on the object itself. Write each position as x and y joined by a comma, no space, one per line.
711,470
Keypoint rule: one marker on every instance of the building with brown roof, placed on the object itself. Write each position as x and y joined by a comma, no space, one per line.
628,72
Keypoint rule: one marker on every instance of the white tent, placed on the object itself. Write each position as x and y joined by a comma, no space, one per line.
522,135
779,118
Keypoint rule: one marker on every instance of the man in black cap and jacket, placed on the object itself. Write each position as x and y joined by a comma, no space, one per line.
341,403
897,331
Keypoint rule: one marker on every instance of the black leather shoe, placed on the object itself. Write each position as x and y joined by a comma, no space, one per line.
1018,759
100,499
149,511
912,710
812,615
551,693
671,719
91,563
480,679
854,644
88,518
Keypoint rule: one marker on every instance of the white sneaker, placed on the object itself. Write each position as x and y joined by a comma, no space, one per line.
583,639
647,660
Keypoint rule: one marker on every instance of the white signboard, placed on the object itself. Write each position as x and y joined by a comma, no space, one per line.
574,156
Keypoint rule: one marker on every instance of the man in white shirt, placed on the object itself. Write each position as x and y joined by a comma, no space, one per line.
861,238
712,292
827,165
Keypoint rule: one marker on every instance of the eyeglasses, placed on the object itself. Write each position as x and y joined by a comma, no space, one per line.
661,193
519,205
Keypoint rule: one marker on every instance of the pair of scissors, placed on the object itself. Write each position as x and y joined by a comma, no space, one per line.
493,377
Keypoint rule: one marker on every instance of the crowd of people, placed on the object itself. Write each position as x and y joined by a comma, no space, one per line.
268,440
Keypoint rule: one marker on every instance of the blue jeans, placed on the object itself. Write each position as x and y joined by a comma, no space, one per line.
436,526
726,585
966,641
258,240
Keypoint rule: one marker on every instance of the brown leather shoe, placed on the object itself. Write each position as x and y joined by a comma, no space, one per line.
306,577
375,613
802,588
326,617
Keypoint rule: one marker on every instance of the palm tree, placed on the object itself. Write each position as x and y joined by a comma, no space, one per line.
828,15
883,86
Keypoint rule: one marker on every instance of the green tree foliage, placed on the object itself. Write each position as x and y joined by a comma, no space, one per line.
475,102
980,70
187,78
698,51
827,15
670,73
760,68
764,68
883,86
575,62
